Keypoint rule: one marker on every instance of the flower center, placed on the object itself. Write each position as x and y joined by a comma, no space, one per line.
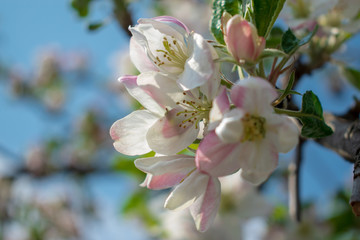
172,55
195,110
254,128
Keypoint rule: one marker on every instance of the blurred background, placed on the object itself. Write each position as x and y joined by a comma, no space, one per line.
60,177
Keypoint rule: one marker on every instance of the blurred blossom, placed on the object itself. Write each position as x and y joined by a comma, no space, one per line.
121,63
195,14
37,160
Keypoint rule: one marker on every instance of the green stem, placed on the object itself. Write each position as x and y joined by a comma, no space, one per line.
295,113
241,73
262,69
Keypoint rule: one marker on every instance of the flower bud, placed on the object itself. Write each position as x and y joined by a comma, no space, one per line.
242,39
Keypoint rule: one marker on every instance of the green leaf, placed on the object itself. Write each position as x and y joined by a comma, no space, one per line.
266,13
81,7
95,26
274,39
353,76
290,43
312,118
137,205
219,7
272,52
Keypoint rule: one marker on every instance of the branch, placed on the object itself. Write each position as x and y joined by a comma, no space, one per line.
346,142
346,137
355,196
122,15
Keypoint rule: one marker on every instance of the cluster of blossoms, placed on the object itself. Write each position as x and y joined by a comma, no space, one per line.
229,128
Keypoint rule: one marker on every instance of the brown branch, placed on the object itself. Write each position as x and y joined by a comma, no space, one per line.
122,15
355,196
346,137
346,142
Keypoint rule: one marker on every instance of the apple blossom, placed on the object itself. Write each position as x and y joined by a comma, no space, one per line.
171,119
249,137
196,190
242,39
165,44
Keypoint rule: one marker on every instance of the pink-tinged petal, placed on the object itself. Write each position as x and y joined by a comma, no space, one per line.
217,158
129,133
167,28
261,42
254,96
172,168
165,180
146,100
166,171
257,168
172,133
146,180
187,192
220,106
162,89
242,39
139,57
287,133
230,129
199,67
205,208
212,87
172,20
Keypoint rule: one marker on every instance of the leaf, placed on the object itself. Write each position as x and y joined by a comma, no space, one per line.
137,205
272,52
353,76
312,118
95,26
274,39
290,43
81,7
266,13
125,164
219,7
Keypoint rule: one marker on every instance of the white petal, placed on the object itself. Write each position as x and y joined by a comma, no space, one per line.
167,137
129,133
166,171
166,164
205,208
220,106
161,88
230,129
166,28
139,57
187,192
199,67
254,95
288,134
141,95
264,161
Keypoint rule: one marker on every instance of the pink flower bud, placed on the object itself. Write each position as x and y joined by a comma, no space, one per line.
242,39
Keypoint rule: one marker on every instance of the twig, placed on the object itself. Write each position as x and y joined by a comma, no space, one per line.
294,184
355,196
122,15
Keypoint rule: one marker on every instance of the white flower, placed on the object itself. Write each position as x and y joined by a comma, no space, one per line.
165,44
249,137
171,119
196,190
